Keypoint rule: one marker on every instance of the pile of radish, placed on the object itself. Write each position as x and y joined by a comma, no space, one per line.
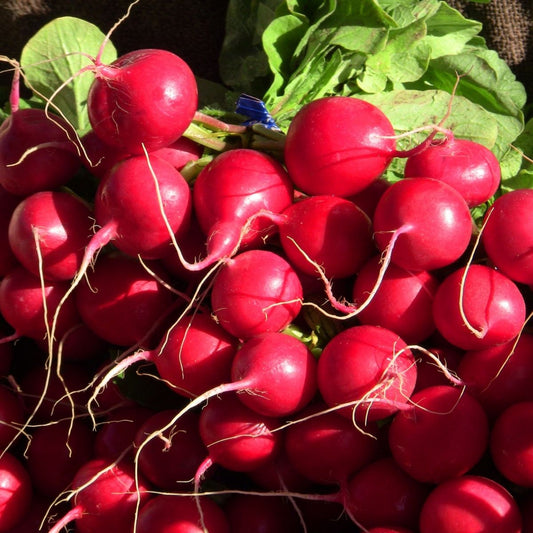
282,341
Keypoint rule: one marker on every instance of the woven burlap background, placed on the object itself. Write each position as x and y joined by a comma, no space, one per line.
195,28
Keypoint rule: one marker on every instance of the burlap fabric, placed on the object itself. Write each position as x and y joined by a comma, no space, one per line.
195,28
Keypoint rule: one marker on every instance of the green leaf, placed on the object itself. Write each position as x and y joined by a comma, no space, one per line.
406,56
57,53
243,63
448,31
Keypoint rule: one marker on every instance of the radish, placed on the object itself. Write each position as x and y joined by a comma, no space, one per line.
194,356
121,301
368,198
390,530
6,356
279,474
180,514
422,234
170,460
63,396
228,194
443,435
340,145
53,160
254,292
8,203
236,437
116,431
428,374
23,308
11,415
508,244
470,504
56,452
469,167
501,375
48,233
511,443
328,448
99,157
402,303
382,493
128,207
106,497
249,513
477,307
15,491
370,369
276,372
327,231
145,97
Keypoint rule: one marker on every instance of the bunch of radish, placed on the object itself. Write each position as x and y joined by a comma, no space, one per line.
284,342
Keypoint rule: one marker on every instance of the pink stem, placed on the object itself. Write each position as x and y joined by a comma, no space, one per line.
75,513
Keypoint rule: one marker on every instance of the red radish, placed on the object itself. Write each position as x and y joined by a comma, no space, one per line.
126,112
79,343
368,367
56,452
180,152
390,530
501,375
56,404
22,306
338,145
249,513
48,233
191,245
477,306
115,434
382,493
237,438
470,504
228,194
508,244
106,498
368,198
180,514
6,356
331,231
11,415
98,157
15,491
195,356
171,459
127,207
443,435
469,167
424,235
33,518
279,474
402,302
121,301
255,292
8,203
511,444
53,161
276,372
328,448
428,373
